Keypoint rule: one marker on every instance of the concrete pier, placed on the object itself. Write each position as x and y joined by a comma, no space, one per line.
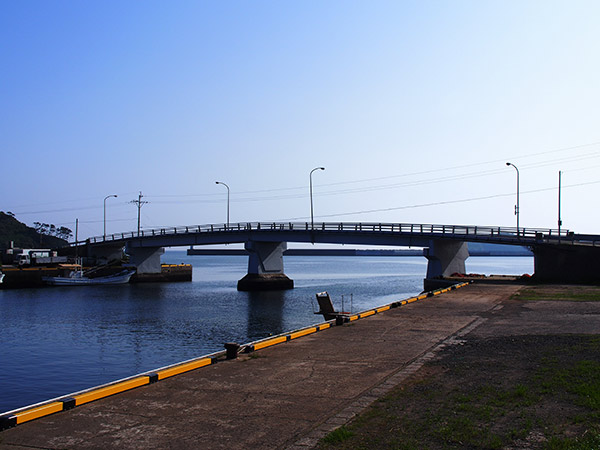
146,260
445,258
265,267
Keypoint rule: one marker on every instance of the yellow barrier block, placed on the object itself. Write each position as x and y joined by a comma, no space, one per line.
367,314
382,309
413,299
352,318
110,390
270,342
421,297
324,326
301,333
183,368
40,411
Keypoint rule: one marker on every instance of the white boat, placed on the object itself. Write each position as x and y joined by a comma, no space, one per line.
76,278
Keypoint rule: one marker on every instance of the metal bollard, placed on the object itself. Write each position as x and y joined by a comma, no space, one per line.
232,349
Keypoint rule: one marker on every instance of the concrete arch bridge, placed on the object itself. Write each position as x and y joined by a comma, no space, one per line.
560,256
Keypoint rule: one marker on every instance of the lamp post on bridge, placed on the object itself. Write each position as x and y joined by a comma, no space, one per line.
105,198
517,205
312,221
220,182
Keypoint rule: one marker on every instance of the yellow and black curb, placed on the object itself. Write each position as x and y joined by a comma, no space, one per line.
28,413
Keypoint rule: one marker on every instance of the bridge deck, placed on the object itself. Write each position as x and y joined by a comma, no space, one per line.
342,233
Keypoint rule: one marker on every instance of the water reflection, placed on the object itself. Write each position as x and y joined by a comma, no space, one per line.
265,313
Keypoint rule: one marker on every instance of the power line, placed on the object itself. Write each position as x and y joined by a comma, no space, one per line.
402,184
406,207
420,182
212,198
440,203
409,174
100,221
87,199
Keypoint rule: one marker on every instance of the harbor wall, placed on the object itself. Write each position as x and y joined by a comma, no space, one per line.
29,277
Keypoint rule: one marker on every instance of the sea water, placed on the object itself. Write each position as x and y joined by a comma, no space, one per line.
60,340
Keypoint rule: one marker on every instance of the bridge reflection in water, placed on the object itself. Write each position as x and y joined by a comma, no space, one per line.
265,311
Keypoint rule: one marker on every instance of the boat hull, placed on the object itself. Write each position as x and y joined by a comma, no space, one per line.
121,278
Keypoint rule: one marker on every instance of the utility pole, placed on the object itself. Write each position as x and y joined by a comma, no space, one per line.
139,202
76,238
559,218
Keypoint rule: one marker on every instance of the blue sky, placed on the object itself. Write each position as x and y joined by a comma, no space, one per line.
413,108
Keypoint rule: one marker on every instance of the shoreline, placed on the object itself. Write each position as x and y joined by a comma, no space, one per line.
43,408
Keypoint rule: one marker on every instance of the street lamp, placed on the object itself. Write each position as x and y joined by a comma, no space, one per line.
312,221
220,182
517,205
105,198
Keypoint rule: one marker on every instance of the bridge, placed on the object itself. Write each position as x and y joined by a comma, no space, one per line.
559,255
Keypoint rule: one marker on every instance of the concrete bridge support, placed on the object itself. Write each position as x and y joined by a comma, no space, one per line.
265,267
445,257
105,254
146,260
566,264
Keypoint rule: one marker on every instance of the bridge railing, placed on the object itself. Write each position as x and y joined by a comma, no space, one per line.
525,235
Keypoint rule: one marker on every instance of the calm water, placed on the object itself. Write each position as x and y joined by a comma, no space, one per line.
63,339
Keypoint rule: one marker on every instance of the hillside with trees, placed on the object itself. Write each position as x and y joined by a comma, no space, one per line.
42,236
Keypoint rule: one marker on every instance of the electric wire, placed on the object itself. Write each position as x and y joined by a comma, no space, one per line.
216,198
440,203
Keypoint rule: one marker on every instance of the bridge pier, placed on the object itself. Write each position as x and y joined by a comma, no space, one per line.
444,257
145,259
105,254
265,267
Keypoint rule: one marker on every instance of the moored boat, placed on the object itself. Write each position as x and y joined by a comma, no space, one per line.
77,278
